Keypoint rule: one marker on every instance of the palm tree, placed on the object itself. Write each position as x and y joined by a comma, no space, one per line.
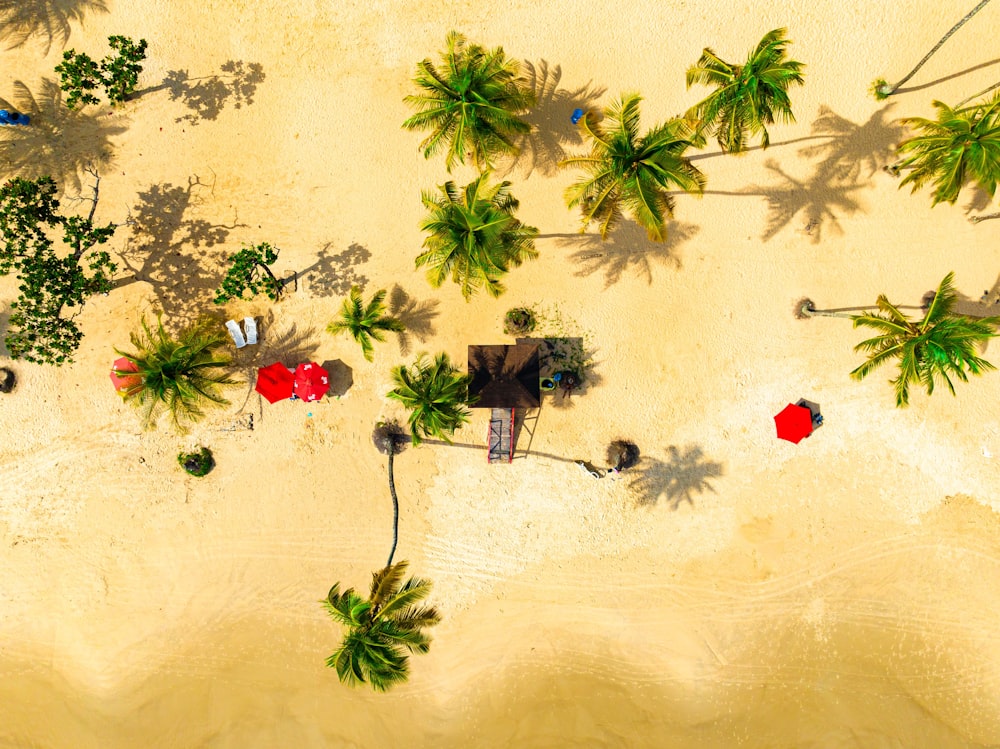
961,145
365,322
389,439
626,170
747,97
473,236
178,375
471,104
882,89
941,344
382,629
436,394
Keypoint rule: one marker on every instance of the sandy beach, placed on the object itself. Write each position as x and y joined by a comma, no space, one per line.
732,590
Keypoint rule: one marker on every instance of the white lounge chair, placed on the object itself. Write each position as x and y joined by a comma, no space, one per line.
236,333
250,325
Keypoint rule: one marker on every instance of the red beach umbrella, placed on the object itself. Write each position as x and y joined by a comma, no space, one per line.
119,377
274,382
794,423
311,381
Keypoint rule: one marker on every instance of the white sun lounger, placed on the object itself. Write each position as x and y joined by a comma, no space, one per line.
236,333
250,325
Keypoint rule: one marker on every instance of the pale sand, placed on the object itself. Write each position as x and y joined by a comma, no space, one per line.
841,592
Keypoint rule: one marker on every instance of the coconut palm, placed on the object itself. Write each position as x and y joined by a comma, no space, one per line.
381,629
748,97
473,236
365,321
471,104
941,344
436,394
181,375
882,89
632,172
389,439
960,146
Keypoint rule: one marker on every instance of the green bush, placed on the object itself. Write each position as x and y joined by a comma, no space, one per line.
519,321
197,463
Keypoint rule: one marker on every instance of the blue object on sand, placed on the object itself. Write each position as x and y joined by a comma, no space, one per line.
13,118
577,115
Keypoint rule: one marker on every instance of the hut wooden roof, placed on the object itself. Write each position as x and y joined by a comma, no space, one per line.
505,376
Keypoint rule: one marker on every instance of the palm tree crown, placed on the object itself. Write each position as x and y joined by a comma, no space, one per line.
626,170
382,629
178,375
940,345
747,97
365,321
436,394
473,236
470,104
961,145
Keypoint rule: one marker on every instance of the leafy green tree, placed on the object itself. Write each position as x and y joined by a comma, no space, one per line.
471,104
748,97
365,321
881,89
250,271
118,72
960,146
941,346
40,328
382,629
436,393
633,172
473,236
177,375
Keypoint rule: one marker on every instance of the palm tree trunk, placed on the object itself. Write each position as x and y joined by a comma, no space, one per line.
976,96
890,90
395,510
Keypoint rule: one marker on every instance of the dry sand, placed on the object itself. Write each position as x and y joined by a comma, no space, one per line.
735,591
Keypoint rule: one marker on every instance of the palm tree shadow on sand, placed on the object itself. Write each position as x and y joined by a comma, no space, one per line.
627,250
678,478
60,143
418,317
552,132
44,20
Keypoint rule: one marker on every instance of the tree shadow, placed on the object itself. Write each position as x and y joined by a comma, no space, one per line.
565,354
208,95
418,317
47,20
628,249
59,142
172,251
678,478
959,74
552,132
978,203
334,275
988,305
852,146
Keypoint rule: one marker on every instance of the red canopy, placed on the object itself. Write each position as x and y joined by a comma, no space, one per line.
311,381
123,382
794,423
274,382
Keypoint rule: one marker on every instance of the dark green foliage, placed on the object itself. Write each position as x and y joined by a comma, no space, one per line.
519,321
118,73
49,284
365,322
942,344
622,454
250,272
382,629
436,394
197,463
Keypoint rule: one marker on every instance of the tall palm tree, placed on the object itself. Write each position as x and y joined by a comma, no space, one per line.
381,629
471,104
179,375
959,146
436,393
389,439
941,344
882,89
473,236
748,97
633,172
365,321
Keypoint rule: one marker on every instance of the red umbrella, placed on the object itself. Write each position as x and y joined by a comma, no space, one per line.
123,382
274,382
794,423
311,381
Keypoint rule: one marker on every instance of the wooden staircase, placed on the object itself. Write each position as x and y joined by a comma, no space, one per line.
501,437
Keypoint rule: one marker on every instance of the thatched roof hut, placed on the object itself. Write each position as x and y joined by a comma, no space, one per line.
505,376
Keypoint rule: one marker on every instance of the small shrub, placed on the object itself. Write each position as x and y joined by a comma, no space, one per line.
519,321
197,463
7,380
